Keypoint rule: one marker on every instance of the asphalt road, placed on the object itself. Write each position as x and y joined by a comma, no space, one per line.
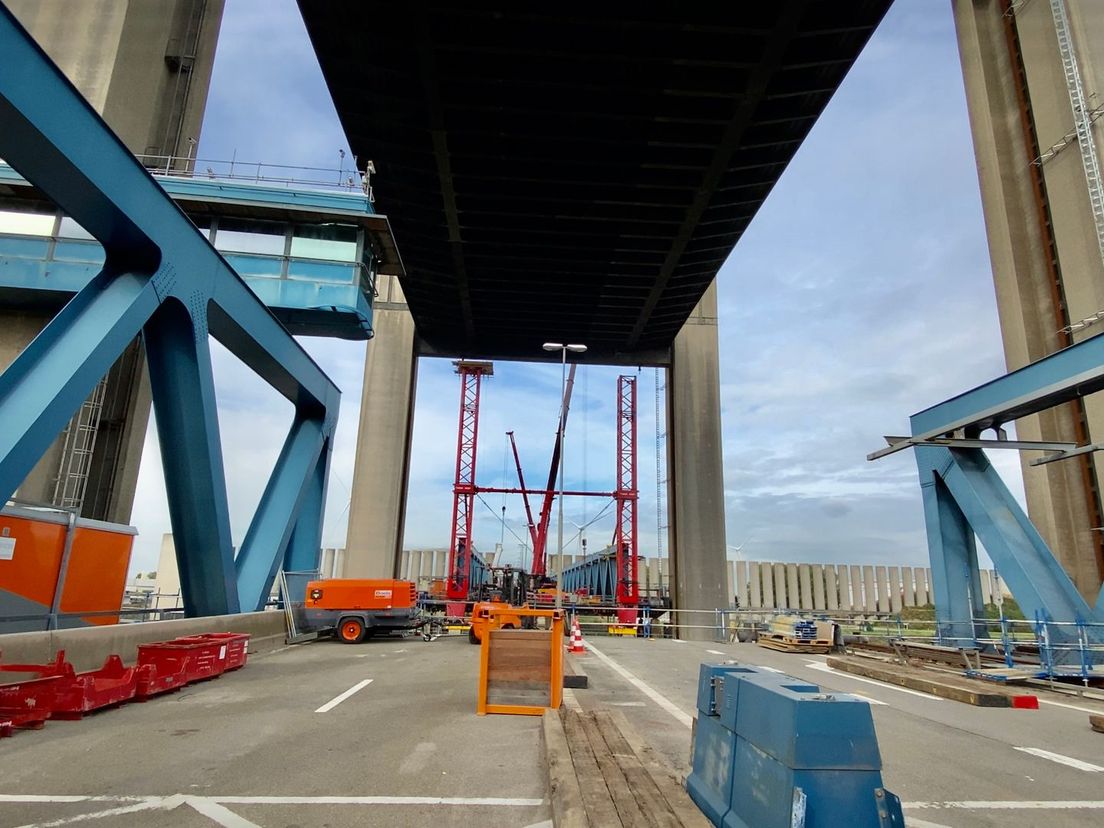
952,764
248,749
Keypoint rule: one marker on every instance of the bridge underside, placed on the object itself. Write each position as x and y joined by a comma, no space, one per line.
575,175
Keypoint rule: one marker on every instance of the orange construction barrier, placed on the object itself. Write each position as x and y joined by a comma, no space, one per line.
521,671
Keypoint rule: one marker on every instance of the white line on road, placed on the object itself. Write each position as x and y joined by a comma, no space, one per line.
217,813
334,702
158,803
168,803
768,669
1096,712
824,668
654,695
627,704
479,801
1011,805
1062,760
715,652
867,699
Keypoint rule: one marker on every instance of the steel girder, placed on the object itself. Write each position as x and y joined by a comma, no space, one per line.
162,279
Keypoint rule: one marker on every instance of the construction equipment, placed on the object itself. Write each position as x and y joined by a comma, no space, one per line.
499,598
794,634
355,608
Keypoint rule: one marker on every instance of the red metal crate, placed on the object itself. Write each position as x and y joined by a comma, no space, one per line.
234,647
199,657
112,684
160,676
22,720
29,701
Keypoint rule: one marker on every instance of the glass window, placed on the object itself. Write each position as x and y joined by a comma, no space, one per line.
71,230
26,224
331,242
244,236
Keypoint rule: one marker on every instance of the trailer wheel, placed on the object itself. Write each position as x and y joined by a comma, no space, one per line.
350,631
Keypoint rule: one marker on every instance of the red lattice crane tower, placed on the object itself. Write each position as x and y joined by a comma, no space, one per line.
464,489
624,533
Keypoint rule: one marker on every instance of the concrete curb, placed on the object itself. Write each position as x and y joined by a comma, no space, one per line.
87,647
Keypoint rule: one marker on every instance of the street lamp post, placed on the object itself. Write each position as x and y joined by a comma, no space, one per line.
563,349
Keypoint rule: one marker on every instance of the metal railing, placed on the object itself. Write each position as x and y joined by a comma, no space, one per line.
259,172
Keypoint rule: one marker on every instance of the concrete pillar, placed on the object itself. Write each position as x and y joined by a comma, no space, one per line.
327,567
730,580
843,576
653,576
377,510
908,586
832,587
1046,261
923,586
742,583
793,591
858,598
805,586
894,576
882,578
870,592
986,590
440,563
818,587
695,468
755,596
416,564
781,598
767,571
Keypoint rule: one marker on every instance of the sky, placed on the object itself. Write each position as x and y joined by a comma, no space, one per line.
860,294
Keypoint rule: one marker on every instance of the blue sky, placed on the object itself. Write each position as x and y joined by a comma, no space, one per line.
860,294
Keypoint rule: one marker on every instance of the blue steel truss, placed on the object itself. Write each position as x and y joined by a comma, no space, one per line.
965,498
597,576
162,279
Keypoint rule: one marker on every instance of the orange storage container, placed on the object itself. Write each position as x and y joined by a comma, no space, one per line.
360,594
38,578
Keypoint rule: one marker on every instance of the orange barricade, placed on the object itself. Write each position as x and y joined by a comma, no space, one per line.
521,671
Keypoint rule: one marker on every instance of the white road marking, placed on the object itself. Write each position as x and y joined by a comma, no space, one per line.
217,813
334,702
866,699
715,652
1011,805
768,669
654,695
1062,760
913,822
478,801
153,803
1096,712
824,668
627,704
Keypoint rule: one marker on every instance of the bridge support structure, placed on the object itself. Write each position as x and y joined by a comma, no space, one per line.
163,280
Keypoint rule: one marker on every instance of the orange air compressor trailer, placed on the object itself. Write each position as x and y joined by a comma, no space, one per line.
358,608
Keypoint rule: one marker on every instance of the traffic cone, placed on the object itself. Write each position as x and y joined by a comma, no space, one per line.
576,637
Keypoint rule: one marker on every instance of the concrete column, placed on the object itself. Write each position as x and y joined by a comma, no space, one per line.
767,572
923,586
883,588
1046,262
894,576
781,598
403,570
339,563
326,570
730,580
818,587
843,576
653,576
870,592
742,583
695,468
793,591
440,563
832,587
805,586
377,510
755,596
908,586
416,563
986,590
858,598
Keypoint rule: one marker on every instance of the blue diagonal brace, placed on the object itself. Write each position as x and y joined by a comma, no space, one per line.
51,378
306,538
278,513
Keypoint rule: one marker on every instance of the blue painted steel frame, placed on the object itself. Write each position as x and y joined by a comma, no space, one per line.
161,278
597,575
964,496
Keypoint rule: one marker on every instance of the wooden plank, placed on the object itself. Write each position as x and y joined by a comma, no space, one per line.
596,796
563,785
624,799
652,803
947,687
663,775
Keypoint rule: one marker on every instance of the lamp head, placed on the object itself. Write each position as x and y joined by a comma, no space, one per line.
552,346
578,349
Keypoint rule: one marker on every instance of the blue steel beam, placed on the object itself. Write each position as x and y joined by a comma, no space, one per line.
162,277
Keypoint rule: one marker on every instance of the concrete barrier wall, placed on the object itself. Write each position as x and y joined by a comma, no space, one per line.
87,648
768,584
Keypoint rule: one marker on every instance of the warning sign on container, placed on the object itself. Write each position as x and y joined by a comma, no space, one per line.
383,593
7,549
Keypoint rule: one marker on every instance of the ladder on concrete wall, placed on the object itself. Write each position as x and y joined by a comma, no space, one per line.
79,443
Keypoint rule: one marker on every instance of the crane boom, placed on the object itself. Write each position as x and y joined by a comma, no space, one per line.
524,492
